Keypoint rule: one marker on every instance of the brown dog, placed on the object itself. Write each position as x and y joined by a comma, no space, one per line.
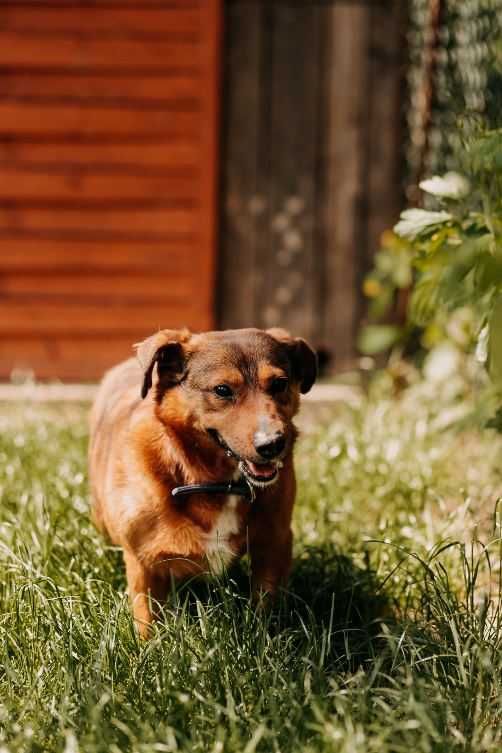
207,408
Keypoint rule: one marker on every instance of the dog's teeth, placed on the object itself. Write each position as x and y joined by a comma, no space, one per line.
280,464
229,454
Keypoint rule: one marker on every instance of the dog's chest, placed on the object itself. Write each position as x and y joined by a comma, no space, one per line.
219,546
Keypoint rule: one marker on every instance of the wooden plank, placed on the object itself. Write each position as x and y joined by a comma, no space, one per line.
162,104
139,286
242,200
271,196
54,317
153,155
210,138
386,95
75,357
99,19
144,88
345,161
72,358
21,253
128,222
36,51
79,184
83,4
36,119
289,290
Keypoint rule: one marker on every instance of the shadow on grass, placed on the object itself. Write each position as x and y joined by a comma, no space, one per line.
329,599
342,602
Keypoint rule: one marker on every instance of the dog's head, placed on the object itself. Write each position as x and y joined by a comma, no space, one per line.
240,387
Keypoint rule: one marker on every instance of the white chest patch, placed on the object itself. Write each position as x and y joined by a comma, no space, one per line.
219,552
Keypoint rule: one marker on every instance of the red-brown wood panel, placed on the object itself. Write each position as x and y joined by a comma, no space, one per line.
107,20
70,184
35,119
108,155
132,154
53,251
135,221
145,286
142,89
77,357
55,317
134,54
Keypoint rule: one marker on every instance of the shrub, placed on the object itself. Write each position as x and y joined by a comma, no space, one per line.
450,256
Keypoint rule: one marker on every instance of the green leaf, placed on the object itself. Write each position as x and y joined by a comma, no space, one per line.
413,222
424,299
486,152
374,338
495,422
488,272
379,305
402,273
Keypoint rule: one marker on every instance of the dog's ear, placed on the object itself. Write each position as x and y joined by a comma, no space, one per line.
166,349
303,358
305,362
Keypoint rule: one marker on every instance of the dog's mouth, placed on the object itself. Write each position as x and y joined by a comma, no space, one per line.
258,474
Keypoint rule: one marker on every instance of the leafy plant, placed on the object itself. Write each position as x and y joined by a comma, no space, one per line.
450,257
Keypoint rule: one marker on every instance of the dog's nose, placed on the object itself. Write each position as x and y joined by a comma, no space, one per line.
271,447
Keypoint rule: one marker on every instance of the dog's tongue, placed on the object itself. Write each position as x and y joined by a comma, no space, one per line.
264,470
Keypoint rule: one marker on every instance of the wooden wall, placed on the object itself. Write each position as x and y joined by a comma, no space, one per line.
108,153
311,160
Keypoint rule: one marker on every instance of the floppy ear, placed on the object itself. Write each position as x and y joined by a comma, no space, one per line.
165,349
303,358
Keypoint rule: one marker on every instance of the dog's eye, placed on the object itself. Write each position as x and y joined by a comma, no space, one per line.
223,390
278,385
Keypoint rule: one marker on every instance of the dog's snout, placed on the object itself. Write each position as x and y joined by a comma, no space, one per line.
271,446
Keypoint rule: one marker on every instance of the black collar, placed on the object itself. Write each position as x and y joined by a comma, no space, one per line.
240,488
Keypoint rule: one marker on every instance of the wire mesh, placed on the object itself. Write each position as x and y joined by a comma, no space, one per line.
454,79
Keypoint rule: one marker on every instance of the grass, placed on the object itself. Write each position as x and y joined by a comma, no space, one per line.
388,640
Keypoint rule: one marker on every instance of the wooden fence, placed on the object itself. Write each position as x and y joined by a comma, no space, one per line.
108,159
311,161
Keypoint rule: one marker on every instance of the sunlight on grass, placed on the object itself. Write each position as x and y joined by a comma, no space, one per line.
388,639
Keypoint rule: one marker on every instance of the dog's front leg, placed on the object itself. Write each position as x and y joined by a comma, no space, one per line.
144,587
270,563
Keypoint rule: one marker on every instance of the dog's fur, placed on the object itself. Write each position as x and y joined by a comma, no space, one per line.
148,438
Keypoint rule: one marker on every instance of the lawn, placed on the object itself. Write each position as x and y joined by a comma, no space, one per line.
389,638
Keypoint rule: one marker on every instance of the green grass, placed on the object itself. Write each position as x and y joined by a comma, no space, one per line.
389,638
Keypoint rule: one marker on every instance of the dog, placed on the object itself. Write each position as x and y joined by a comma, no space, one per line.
190,458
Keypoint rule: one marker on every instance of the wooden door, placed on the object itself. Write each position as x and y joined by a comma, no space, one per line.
312,160
108,133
